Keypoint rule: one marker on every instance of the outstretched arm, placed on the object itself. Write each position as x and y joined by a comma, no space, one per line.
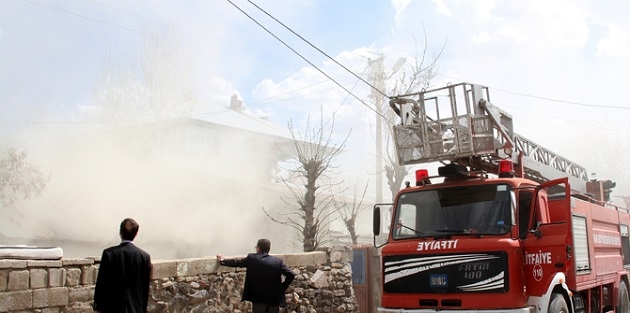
236,262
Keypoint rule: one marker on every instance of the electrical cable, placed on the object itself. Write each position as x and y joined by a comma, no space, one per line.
306,60
117,9
85,17
102,21
547,99
302,38
266,100
319,50
173,11
263,100
564,101
555,117
136,31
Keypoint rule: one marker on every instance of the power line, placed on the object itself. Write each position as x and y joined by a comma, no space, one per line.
265,101
555,100
349,92
305,59
355,84
262,102
177,12
555,117
85,17
102,21
599,106
174,11
117,9
319,50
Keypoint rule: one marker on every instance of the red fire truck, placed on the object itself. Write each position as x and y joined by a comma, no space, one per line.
505,225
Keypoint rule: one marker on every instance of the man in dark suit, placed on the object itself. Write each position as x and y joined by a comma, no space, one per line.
264,286
122,285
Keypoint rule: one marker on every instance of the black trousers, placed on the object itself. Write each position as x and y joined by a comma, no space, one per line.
265,308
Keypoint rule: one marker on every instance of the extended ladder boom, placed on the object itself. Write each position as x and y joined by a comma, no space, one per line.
458,123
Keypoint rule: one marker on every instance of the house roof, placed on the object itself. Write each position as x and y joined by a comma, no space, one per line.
235,117
229,117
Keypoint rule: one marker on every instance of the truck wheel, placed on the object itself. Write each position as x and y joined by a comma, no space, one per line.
558,304
624,301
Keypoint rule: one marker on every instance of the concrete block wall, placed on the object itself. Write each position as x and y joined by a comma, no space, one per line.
46,286
323,283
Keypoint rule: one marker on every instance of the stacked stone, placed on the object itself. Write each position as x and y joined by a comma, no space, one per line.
196,285
323,283
47,286
326,287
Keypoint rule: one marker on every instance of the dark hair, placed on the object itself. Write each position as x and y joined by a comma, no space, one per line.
128,229
264,245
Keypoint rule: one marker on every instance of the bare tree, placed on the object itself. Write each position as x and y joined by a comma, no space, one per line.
309,206
153,86
145,89
350,209
416,77
18,178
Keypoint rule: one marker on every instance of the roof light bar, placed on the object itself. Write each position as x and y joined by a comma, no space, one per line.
506,168
422,177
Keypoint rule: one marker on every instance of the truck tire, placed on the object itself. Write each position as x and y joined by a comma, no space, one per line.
558,304
624,301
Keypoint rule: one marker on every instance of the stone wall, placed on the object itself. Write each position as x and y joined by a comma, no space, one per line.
323,283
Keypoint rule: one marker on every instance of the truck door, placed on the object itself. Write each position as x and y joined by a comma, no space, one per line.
545,252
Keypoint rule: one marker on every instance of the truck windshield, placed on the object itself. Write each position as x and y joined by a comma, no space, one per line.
474,210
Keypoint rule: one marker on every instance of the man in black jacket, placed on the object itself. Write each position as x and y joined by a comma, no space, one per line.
124,274
264,286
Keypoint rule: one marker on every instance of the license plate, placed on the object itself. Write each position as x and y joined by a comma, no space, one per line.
438,280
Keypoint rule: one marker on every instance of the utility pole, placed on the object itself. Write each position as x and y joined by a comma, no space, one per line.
377,79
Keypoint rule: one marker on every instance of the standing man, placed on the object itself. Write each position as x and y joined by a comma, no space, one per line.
123,278
264,286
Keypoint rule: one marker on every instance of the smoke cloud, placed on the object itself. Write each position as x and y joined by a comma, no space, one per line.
186,205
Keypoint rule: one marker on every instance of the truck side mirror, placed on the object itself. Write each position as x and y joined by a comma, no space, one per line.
382,217
376,221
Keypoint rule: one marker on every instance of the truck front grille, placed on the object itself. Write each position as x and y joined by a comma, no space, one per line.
446,273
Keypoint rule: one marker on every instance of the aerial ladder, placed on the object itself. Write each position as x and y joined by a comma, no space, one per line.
459,124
